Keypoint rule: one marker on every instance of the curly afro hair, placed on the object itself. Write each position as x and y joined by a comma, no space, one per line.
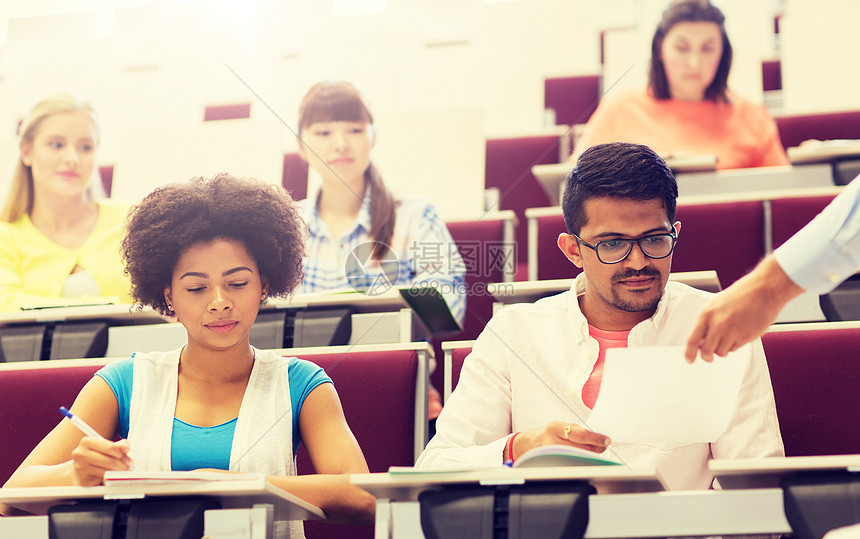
260,215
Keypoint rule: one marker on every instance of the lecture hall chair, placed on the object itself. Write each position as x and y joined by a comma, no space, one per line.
479,242
295,176
378,393
30,396
509,163
572,98
815,373
790,214
232,111
543,246
386,387
725,236
455,353
825,126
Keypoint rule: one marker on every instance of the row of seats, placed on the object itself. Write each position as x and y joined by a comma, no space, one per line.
812,366
574,99
729,236
814,372
382,389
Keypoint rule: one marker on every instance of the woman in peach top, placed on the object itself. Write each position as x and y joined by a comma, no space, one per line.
687,107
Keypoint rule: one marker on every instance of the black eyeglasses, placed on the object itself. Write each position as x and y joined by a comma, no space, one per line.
615,250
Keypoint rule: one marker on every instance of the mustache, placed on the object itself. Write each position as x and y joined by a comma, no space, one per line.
632,274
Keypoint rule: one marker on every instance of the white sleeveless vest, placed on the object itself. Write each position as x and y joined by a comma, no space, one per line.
262,442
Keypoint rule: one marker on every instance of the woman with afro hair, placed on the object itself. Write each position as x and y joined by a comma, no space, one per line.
210,252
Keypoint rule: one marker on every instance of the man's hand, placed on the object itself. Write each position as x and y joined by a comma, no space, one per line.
742,312
559,433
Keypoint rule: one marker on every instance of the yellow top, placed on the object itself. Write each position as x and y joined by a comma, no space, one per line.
34,269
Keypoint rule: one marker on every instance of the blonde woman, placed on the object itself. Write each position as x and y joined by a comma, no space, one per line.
57,240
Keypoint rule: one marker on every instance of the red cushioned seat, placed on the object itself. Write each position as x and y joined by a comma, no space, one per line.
31,408
815,376
788,215
509,165
572,98
236,111
836,125
726,237
377,391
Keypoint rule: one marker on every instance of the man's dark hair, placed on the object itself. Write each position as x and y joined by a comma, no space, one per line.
689,11
620,170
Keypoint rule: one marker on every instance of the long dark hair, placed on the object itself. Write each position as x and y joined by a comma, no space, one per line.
339,101
689,11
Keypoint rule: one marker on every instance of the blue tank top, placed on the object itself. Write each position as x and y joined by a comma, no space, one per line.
193,447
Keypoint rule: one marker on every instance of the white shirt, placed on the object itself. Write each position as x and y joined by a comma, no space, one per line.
529,365
827,250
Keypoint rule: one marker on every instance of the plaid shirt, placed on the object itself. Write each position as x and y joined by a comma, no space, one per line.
422,252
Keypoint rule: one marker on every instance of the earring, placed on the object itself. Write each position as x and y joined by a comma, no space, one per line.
169,307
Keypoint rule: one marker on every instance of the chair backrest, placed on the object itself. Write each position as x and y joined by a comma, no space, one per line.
375,388
727,237
771,75
509,165
835,125
455,355
815,376
377,391
724,236
552,264
233,111
481,243
572,98
790,214
30,399
295,176
458,356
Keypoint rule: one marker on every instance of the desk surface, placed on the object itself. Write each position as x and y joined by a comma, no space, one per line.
530,291
824,151
120,312
696,179
408,485
767,473
391,300
231,494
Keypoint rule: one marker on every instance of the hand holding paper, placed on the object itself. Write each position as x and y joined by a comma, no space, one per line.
654,395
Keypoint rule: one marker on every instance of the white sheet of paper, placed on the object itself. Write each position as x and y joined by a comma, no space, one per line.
653,395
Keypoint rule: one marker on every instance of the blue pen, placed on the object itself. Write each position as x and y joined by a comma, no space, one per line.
80,423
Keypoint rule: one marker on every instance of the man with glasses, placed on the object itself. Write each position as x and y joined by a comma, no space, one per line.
534,373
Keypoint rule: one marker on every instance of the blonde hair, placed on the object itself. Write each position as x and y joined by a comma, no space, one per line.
20,199
340,101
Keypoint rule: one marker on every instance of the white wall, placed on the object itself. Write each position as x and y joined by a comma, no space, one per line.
820,46
165,60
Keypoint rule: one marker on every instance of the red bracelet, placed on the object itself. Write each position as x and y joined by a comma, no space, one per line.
508,453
